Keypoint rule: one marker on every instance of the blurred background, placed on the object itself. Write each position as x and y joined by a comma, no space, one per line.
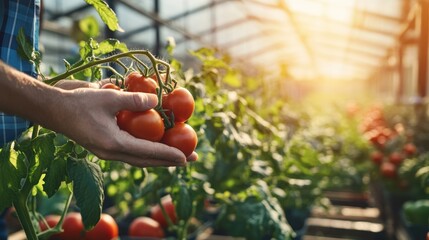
342,46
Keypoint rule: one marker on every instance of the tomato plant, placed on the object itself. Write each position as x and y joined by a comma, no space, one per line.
105,229
180,103
136,82
181,136
145,125
145,227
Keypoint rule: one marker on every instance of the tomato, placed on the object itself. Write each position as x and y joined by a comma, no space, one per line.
51,220
73,228
388,169
377,157
145,227
410,149
396,158
135,82
110,86
181,136
105,229
180,102
144,125
156,212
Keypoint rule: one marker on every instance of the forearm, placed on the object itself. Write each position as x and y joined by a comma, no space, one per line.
26,97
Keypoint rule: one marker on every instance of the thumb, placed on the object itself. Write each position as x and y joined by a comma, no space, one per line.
137,101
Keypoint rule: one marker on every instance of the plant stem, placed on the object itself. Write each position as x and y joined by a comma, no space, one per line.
20,204
112,58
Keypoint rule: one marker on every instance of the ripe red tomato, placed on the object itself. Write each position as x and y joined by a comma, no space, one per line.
73,228
388,169
396,158
105,229
110,86
410,149
156,212
144,125
180,102
377,157
51,220
145,227
135,82
181,136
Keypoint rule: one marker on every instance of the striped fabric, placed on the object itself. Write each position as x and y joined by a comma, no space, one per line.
14,15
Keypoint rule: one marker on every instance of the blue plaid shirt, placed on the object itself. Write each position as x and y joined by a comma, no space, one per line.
14,15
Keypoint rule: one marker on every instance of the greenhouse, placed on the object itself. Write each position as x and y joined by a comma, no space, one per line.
214,119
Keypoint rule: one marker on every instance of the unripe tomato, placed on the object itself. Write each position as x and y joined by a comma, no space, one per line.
135,82
181,136
180,102
156,212
105,229
146,125
145,227
388,169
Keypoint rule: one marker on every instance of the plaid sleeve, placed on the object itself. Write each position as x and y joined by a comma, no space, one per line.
16,15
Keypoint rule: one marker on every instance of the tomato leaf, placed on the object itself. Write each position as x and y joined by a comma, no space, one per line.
44,149
26,49
111,45
106,13
12,165
88,189
89,26
182,201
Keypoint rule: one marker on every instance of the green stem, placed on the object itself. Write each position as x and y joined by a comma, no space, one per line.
20,204
112,58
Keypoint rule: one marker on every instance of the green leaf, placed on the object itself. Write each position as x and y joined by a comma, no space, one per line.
111,45
183,201
44,150
54,176
106,13
25,48
88,189
89,26
12,176
232,79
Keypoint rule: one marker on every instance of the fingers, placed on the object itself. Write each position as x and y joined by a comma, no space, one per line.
193,157
136,101
73,84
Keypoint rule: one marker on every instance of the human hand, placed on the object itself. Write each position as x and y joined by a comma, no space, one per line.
88,116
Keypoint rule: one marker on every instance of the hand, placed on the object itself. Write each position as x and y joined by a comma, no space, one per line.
91,122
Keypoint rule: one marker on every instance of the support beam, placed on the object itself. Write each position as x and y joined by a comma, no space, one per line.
135,7
176,17
157,47
423,49
70,12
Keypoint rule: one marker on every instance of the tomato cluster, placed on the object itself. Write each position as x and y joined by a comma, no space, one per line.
177,107
73,229
387,156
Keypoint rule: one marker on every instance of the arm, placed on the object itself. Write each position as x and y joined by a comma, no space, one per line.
87,116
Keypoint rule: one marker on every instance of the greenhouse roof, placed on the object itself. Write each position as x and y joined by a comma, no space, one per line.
312,39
